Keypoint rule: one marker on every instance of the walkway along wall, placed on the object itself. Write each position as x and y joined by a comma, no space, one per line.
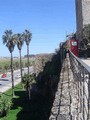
65,103
72,96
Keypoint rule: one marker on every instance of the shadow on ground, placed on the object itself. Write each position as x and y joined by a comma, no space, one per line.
39,107
35,109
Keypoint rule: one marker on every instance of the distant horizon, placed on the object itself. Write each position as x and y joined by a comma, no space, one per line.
26,54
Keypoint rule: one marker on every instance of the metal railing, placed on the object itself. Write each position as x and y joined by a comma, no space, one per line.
81,73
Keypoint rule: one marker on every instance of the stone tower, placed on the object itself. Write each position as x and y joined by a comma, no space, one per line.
82,15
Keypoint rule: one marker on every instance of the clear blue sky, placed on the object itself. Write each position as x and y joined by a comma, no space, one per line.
48,20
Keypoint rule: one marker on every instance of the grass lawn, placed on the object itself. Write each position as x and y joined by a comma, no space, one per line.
13,112
24,109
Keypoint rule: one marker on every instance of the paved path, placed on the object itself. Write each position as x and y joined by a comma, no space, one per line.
65,103
86,61
6,83
9,85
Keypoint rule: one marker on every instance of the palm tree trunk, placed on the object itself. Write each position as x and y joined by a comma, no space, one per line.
28,57
20,64
29,93
21,68
13,94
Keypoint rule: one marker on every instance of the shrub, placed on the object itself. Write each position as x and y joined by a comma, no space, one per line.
28,80
5,105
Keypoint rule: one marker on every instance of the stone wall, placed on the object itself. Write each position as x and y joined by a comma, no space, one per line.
65,102
40,61
86,11
79,19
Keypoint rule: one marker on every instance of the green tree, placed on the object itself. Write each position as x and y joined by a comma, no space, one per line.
27,37
9,41
20,42
16,65
5,105
86,36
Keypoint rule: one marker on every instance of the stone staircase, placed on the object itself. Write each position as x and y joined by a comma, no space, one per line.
65,103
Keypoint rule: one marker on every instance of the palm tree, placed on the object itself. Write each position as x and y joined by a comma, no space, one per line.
27,37
20,42
9,41
28,80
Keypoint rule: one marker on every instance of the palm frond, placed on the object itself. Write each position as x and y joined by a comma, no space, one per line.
27,36
4,39
20,41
